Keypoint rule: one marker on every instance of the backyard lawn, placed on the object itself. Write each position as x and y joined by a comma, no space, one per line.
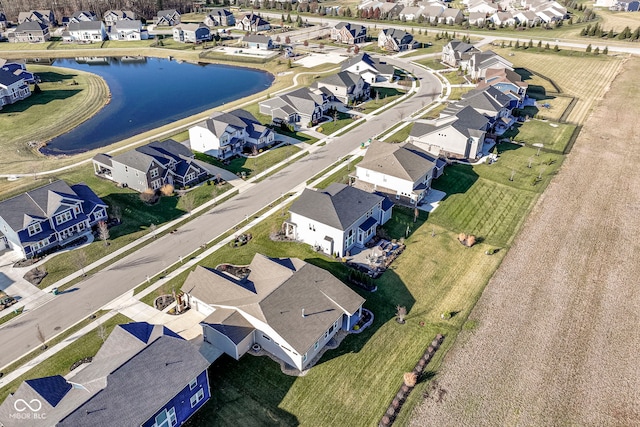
253,165
343,119
553,136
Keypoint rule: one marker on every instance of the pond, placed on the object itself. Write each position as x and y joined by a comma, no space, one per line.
147,93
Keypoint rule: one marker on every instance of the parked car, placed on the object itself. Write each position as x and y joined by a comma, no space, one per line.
7,302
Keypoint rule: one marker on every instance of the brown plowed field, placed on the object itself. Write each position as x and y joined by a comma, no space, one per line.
558,335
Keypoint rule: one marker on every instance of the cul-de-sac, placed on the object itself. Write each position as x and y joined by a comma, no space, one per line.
319,213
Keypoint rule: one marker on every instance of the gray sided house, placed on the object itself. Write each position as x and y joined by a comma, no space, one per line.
220,17
290,308
297,108
30,32
345,86
337,219
191,33
143,375
256,41
151,166
50,216
490,102
460,136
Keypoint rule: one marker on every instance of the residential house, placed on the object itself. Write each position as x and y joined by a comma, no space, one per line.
3,21
508,82
457,53
112,16
371,69
220,17
225,135
286,306
44,16
451,16
299,108
458,136
83,16
479,63
252,22
49,216
477,18
338,219
482,6
526,17
396,40
386,10
410,13
256,41
348,33
504,19
345,86
169,17
30,32
402,172
433,12
127,30
191,33
13,87
490,102
143,375
85,32
19,69
152,166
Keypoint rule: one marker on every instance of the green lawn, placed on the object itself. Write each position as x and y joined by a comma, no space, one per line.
60,363
253,165
342,174
554,136
400,135
382,96
434,64
457,92
328,128
454,77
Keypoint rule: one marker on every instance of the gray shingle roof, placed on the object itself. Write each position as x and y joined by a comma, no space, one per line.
338,206
230,323
467,121
275,292
256,38
404,161
343,79
30,26
85,26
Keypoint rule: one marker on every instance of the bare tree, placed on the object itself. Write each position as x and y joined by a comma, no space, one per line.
103,232
116,212
102,332
80,259
401,312
188,202
40,336
152,229
416,213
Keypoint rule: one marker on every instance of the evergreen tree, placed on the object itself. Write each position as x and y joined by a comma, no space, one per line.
556,48
546,46
605,51
596,51
610,34
517,44
589,48
530,43
289,21
539,44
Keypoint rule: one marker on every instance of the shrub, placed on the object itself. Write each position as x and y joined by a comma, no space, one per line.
410,379
471,240
167,190
148,196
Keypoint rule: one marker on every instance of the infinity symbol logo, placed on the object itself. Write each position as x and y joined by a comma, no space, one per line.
21,405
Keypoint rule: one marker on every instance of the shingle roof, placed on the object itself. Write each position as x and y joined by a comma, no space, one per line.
404,161
86,26
230,323
7,78
278,291
467,121
338,206
30,26
343,78
256,38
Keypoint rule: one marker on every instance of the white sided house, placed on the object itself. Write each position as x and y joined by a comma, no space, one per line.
225,135
85,32
400,171
287,307
127,30
337,219
371,69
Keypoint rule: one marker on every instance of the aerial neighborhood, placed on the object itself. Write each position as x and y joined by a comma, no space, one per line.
304,250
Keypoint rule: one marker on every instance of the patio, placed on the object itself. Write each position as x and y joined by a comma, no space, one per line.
376,258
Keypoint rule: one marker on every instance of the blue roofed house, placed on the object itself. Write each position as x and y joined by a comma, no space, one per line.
224,135
348,33
13,86
17,68
49,216
168,17
152,166
288,307
337,219
396,40
143,375
191,33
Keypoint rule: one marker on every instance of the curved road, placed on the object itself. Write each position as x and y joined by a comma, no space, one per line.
103,287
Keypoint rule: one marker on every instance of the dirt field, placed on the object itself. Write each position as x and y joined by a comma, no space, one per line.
557,337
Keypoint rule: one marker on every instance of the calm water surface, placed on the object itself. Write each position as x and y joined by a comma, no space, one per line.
150,92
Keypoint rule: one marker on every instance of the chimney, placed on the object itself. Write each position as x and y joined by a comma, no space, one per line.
303,312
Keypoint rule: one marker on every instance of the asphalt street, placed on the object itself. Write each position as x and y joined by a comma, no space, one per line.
19,335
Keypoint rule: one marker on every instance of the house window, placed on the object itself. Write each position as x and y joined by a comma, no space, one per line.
304,358
156,184
63,217
315,346
312,227
154,172
76,209
34,229
166,418
126,168
197,397
190,177
193,384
